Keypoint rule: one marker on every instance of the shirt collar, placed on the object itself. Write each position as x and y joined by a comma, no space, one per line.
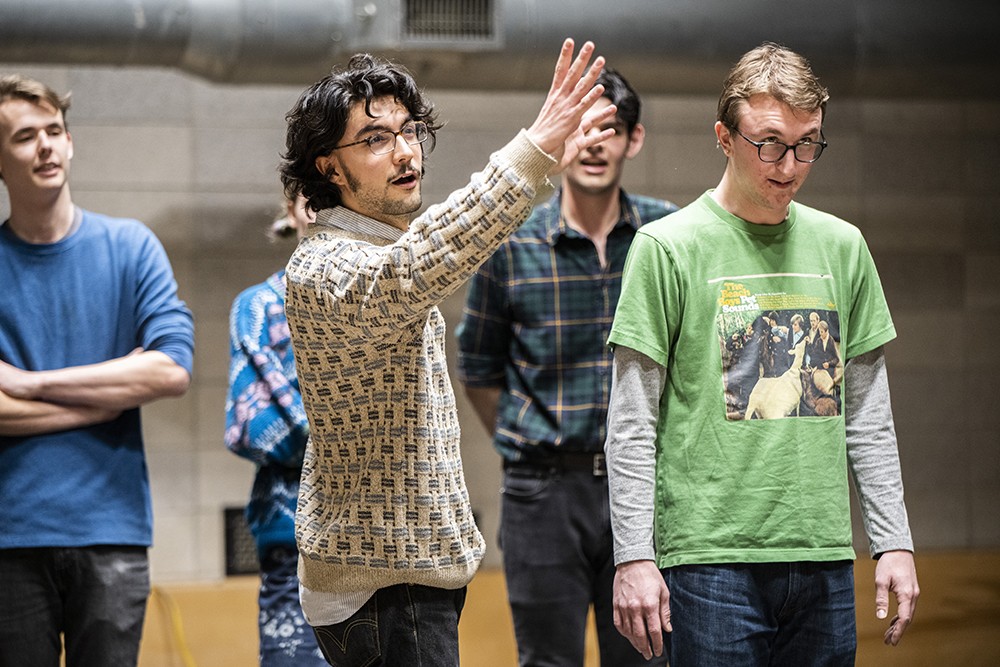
351,221
556,227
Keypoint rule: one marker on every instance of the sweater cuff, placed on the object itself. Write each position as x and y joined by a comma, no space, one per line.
629,554
893,543
529,161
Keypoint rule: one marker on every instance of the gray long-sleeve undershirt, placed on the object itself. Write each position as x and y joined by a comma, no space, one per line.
872,454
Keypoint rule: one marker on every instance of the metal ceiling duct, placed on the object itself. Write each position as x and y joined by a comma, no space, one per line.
918,48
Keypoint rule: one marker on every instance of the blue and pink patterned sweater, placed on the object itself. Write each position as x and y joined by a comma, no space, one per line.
265,420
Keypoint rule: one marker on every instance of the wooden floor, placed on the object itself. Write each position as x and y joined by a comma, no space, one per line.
957,621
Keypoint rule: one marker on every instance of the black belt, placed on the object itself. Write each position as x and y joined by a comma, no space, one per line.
591,461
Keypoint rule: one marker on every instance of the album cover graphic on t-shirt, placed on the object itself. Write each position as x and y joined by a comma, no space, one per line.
781,354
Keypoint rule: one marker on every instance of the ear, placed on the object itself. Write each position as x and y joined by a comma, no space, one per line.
327,165
635,140
69,151
724,137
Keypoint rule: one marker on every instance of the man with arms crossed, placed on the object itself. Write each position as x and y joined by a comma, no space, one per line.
90,329
386,535
733,533
535,364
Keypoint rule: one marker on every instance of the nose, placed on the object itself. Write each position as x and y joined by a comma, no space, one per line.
402,151
787,164
44,142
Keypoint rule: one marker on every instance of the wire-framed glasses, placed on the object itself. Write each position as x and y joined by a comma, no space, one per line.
774,151
384,141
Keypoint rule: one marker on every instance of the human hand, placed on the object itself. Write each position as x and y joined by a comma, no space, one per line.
896,572
642,606
562,128
15,382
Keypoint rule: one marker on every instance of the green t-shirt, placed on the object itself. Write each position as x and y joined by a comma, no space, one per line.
753,324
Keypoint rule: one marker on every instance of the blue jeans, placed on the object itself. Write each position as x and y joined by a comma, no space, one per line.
286,640
415,626
555,534
94,596
794,614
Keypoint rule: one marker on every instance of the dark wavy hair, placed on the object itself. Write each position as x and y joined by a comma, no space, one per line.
622,95
317,122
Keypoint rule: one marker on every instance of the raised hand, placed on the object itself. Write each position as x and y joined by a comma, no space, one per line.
563,123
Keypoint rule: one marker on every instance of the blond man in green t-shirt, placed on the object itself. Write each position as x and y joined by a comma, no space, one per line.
728,465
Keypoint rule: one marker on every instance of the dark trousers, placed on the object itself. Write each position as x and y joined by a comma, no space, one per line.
762,614
555,534
403,625
286,640
94,596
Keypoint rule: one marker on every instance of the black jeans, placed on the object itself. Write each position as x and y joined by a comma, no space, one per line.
403,625
555,534
94,596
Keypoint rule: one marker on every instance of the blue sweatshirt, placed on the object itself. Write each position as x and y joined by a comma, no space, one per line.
104,290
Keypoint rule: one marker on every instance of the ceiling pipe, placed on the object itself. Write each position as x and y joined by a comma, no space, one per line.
916,48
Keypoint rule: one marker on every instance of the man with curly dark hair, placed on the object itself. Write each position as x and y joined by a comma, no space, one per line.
385,532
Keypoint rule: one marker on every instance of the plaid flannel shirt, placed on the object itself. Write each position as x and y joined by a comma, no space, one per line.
536,322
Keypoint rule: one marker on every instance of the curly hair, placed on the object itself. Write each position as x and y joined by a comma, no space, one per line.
317,122
770,69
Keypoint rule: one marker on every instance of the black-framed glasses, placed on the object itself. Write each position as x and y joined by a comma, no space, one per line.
384,141
774,151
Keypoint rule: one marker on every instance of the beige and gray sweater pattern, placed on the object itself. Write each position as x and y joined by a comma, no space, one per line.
383,498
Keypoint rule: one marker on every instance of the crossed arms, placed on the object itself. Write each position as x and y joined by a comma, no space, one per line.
36,402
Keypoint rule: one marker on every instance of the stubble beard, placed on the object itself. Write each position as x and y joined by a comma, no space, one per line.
379,202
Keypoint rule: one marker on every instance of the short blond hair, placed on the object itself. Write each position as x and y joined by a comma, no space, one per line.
17,86
771,69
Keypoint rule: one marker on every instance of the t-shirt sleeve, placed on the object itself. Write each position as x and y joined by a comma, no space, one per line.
649,289
870,321
165,322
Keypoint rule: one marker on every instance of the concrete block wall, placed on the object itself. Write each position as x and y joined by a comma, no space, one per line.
196,162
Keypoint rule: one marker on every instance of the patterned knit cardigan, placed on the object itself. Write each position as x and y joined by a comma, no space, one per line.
383,499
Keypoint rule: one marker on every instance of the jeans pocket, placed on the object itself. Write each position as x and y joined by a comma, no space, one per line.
525,484
354,641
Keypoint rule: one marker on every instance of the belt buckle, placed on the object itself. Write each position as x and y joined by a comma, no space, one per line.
600,468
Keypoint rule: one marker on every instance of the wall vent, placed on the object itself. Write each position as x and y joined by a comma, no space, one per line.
449,20
241,550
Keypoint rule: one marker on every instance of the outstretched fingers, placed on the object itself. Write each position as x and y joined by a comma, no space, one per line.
569,71
562,65
575,78
573,92
586,136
